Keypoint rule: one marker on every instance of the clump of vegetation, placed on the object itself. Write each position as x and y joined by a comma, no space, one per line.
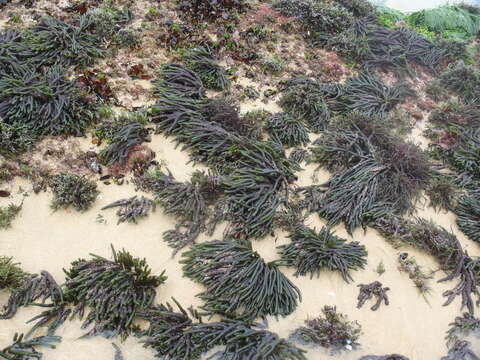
112,291
374,171
384,357
380,270
108,21
287,129
72,190
132,209
54,42
454,115
202,62
460,79
201,10
182,334
448,21
370,290
22,349
44,103
326,17
415,272
333,330
305,99
443,193
15,138
187,201
388,17
222,112
311,252
175,78
468,215
273,65
11,274
112,122
444,246
462,327
460,351
8,214
123,140
34,288
239,282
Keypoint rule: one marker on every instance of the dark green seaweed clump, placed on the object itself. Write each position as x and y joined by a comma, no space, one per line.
305,100
468,215
44,103
72,190
202,62
443,193
182,334
311,252
54,42
460,79
287,129
375,172
239,283
112,292
461,350
332,331
33,289
22,349
123,141
15,138
444,246
132,209
8,214
176,78
187,201
209,10
11,274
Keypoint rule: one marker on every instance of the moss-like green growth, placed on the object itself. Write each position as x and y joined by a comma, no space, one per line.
11,274
72,190
287,129
389,17
448,21
112,292
240,284
8,214
312,252
332,331
443,193
203,63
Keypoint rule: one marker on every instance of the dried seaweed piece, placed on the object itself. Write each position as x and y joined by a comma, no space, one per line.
441,244
35,287
287,129
201,61
180,80
8,214
420,278
25,349
468,215
332,331
239,282
462,327
122,143
11,274
133,208
310,252
72,190
373,289
112,291
46,103
118,353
